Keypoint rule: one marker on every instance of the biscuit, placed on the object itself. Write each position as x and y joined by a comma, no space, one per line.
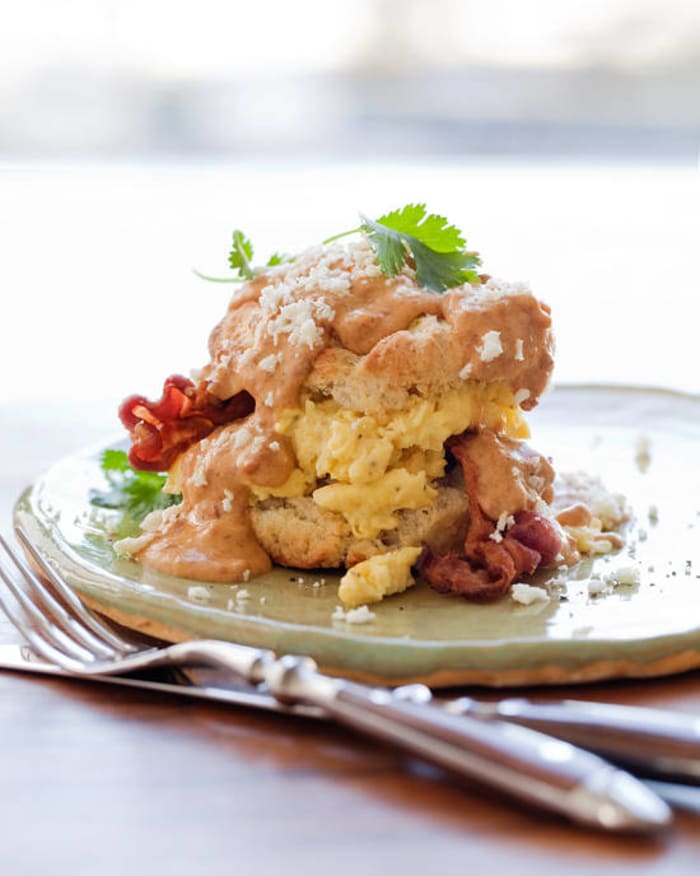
297,532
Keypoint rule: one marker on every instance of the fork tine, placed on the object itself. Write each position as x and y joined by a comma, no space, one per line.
23,623
48,614
75,606
22,608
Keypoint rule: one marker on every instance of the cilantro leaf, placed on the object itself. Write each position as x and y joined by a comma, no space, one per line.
388,246
444,270
135,493
240,256
437,248
114,460
431,229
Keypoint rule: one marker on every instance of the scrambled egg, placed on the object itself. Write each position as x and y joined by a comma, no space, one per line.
377,577
379,464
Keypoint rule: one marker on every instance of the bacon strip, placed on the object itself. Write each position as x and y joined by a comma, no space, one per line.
487,568
161,430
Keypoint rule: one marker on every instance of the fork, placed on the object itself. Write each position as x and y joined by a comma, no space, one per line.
531,766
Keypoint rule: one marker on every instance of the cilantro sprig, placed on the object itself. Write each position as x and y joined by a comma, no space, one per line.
240,255
435,248
240,260
133,492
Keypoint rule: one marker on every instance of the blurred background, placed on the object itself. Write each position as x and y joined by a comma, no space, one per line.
206,79
562,135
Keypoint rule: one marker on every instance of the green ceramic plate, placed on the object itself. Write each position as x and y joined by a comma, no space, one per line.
650,628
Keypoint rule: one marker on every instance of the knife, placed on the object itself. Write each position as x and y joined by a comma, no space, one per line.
651,741
576,783
193,683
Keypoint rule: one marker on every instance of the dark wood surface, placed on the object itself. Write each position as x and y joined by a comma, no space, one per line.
106,781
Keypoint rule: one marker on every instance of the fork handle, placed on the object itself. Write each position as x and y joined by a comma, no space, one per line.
525,764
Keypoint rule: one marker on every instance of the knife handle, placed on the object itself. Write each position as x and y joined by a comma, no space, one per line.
653,741
527,765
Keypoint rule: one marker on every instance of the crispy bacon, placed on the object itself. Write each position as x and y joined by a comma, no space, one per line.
453,573
185,413
488,567
538,533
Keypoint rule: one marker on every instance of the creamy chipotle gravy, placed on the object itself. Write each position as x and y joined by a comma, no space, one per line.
267,344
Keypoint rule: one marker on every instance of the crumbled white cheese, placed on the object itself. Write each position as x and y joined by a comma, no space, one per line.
131,545
519,357
246,357
151,525
491,347
504,522
246,575
242,437
609,508
625,575
199,477
270,363
297,321
521,395
274,446
269,399
557,584
465,373
197,593
495,288
597,586
526,594
622,576
227,501
272,297
359,615
242,595
323,310
152,522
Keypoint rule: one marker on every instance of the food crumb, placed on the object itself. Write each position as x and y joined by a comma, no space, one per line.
597,586
227,501
197,593
626,575
653,514
242,595
359,615
526,594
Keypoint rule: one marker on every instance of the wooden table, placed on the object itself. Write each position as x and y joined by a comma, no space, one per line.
105,781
